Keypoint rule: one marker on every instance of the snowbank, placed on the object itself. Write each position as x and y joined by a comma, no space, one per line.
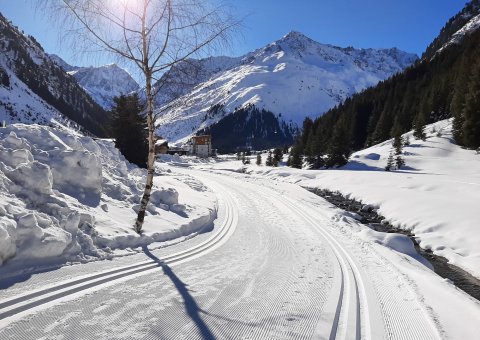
67,197
436,195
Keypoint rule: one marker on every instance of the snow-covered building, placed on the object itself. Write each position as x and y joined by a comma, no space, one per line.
161,147
201,146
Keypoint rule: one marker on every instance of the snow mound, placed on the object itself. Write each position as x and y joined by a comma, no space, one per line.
400,243
71,197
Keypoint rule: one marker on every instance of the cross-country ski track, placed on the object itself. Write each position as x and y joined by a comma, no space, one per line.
275,266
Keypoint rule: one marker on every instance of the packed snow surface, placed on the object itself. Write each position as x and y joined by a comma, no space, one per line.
67,197
294,77
435,195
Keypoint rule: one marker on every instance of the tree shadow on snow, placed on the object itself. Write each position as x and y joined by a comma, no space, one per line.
191,306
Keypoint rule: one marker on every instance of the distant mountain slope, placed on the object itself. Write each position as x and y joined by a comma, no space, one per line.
293,78
31,71
102,83
19,104
465,22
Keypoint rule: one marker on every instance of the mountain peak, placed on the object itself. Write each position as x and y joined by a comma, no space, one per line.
295,35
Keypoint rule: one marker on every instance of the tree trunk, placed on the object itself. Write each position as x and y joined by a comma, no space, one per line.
151,155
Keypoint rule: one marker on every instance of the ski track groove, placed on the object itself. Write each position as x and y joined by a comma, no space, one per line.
281,282
23,303
277,313
402,315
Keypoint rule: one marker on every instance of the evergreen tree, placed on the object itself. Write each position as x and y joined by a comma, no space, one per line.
471,112
259,159
269,161
278,155
399,162
419,127
295,159
390,162
129,129
398,147
339,147
398,144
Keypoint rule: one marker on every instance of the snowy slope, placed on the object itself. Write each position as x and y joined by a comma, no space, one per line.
102,83
471,26
66,197
293,77
29,74
105,82
436,195
464,23
18,104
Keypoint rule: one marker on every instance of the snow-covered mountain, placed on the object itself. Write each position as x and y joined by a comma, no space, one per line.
33,89
102,83
463,23
292,78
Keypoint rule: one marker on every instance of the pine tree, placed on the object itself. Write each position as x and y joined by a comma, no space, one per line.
390,162
269,161
339,147
398,149
420,121
259,159
295,159
398,144
129,129
399,162
457,105
277,155
471,112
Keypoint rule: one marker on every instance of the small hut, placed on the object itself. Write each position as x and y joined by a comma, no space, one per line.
161,147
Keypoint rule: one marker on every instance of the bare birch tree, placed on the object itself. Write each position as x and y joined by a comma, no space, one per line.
153,35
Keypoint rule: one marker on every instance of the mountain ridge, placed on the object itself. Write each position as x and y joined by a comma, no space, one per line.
36,90
293,77
102,83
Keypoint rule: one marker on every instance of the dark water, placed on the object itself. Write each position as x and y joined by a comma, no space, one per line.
460,278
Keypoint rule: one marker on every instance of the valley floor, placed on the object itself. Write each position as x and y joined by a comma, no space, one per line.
280,263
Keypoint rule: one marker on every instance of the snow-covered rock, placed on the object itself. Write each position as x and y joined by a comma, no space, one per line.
294,77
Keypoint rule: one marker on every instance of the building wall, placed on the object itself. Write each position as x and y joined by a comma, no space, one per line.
203,150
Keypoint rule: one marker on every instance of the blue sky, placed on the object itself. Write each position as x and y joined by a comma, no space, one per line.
407,24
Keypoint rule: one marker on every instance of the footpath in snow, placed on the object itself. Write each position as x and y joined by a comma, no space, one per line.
65,197
435,196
